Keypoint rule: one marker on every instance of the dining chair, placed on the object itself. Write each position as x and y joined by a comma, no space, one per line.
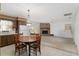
19,46
37,44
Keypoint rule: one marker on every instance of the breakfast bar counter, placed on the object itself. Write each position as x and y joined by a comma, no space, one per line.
1,34
7,46
7,39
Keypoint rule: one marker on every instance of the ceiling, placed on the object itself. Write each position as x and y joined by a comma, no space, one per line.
41,12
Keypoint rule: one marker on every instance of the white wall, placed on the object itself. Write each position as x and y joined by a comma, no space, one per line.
76,30
58,29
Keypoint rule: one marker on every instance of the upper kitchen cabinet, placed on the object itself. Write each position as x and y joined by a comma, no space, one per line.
7,23
6,17
19,21
22,21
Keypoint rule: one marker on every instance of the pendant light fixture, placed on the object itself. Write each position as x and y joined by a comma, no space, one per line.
28,18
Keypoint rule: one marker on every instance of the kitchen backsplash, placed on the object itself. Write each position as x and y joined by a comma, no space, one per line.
6,26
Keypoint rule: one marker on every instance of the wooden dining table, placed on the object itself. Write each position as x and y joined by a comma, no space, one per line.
28,40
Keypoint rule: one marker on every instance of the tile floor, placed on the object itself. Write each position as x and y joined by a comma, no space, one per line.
55,46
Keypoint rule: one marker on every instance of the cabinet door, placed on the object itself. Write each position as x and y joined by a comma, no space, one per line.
10,39
13,39
22,23
0,41
3,41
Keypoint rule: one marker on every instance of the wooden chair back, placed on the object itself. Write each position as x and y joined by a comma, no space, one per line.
38,38
17,39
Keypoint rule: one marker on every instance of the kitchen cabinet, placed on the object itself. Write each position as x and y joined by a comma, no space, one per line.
3,41
10,39
6,40
22,21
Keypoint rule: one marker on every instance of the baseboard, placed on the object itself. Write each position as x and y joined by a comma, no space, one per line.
78,51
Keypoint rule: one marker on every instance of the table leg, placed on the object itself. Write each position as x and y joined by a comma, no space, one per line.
26,49
29,49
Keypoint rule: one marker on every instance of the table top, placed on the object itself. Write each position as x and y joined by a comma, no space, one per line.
27,39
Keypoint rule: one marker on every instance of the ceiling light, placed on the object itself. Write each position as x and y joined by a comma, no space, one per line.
28,18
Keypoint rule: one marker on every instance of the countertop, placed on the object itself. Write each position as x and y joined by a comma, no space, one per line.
7,33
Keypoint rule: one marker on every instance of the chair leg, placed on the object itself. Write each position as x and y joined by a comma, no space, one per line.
40,50
26,49
36,51
19,52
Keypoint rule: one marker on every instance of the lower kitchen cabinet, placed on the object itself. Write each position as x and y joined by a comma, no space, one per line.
6,40
7,46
